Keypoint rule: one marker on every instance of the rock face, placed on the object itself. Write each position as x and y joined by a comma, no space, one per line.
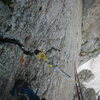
90,46
85,75
90,30
41,24
47,24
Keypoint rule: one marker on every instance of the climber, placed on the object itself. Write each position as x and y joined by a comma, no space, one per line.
22,91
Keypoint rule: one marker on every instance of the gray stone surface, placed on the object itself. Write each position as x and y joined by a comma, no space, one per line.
90,30
90,46
42,24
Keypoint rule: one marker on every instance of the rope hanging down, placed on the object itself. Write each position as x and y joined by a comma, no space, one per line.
77,85
38,53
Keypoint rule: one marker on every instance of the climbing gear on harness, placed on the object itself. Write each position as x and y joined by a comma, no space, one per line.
22,91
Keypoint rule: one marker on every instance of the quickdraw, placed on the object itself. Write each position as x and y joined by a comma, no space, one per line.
43,56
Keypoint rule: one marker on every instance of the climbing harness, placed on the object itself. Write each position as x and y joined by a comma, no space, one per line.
36,52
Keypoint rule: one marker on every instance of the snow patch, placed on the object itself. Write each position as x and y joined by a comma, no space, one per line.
94,66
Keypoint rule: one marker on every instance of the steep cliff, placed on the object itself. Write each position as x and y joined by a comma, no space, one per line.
90,47
90,30
41,24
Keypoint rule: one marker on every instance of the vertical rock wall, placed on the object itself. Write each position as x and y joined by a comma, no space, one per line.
90,41
90,30
42,24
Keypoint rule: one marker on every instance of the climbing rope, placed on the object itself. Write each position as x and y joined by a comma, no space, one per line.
77,85
38,53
